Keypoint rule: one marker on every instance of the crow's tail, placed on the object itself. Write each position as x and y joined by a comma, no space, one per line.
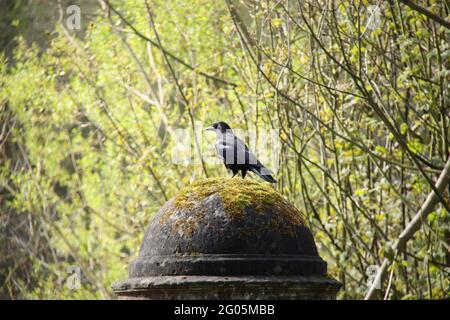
264,173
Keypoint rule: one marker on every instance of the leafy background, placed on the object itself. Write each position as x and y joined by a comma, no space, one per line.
89,120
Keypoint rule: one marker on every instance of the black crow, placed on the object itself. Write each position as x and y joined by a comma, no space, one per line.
235,154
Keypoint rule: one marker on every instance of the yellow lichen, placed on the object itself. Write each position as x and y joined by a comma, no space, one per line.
238,194
187,227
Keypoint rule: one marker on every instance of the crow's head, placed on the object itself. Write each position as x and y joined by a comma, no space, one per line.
219,127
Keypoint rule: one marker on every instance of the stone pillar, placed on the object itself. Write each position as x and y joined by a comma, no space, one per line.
228,239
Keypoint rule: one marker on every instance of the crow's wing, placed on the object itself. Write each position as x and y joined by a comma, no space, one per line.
234,151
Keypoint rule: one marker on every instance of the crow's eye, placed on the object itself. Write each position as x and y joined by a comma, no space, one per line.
215,125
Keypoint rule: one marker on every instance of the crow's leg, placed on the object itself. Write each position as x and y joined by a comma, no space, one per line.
244,172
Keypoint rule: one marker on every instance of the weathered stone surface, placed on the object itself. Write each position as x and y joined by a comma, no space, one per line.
228,238
226,288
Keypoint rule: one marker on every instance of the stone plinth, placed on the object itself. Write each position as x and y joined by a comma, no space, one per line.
228,239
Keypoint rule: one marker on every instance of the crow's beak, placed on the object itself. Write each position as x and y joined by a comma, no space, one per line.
210,129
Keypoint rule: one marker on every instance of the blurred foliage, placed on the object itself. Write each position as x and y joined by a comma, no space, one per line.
88,129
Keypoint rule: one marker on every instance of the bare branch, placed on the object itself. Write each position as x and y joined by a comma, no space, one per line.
412,227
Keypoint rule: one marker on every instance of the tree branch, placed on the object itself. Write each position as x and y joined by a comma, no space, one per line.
425,12
412,227
166,52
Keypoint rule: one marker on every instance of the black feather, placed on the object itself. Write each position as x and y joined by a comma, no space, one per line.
266,177
236,155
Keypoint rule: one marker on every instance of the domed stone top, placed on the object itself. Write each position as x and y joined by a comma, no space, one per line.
228,226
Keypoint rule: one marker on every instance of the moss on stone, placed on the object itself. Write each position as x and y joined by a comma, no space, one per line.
237,194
